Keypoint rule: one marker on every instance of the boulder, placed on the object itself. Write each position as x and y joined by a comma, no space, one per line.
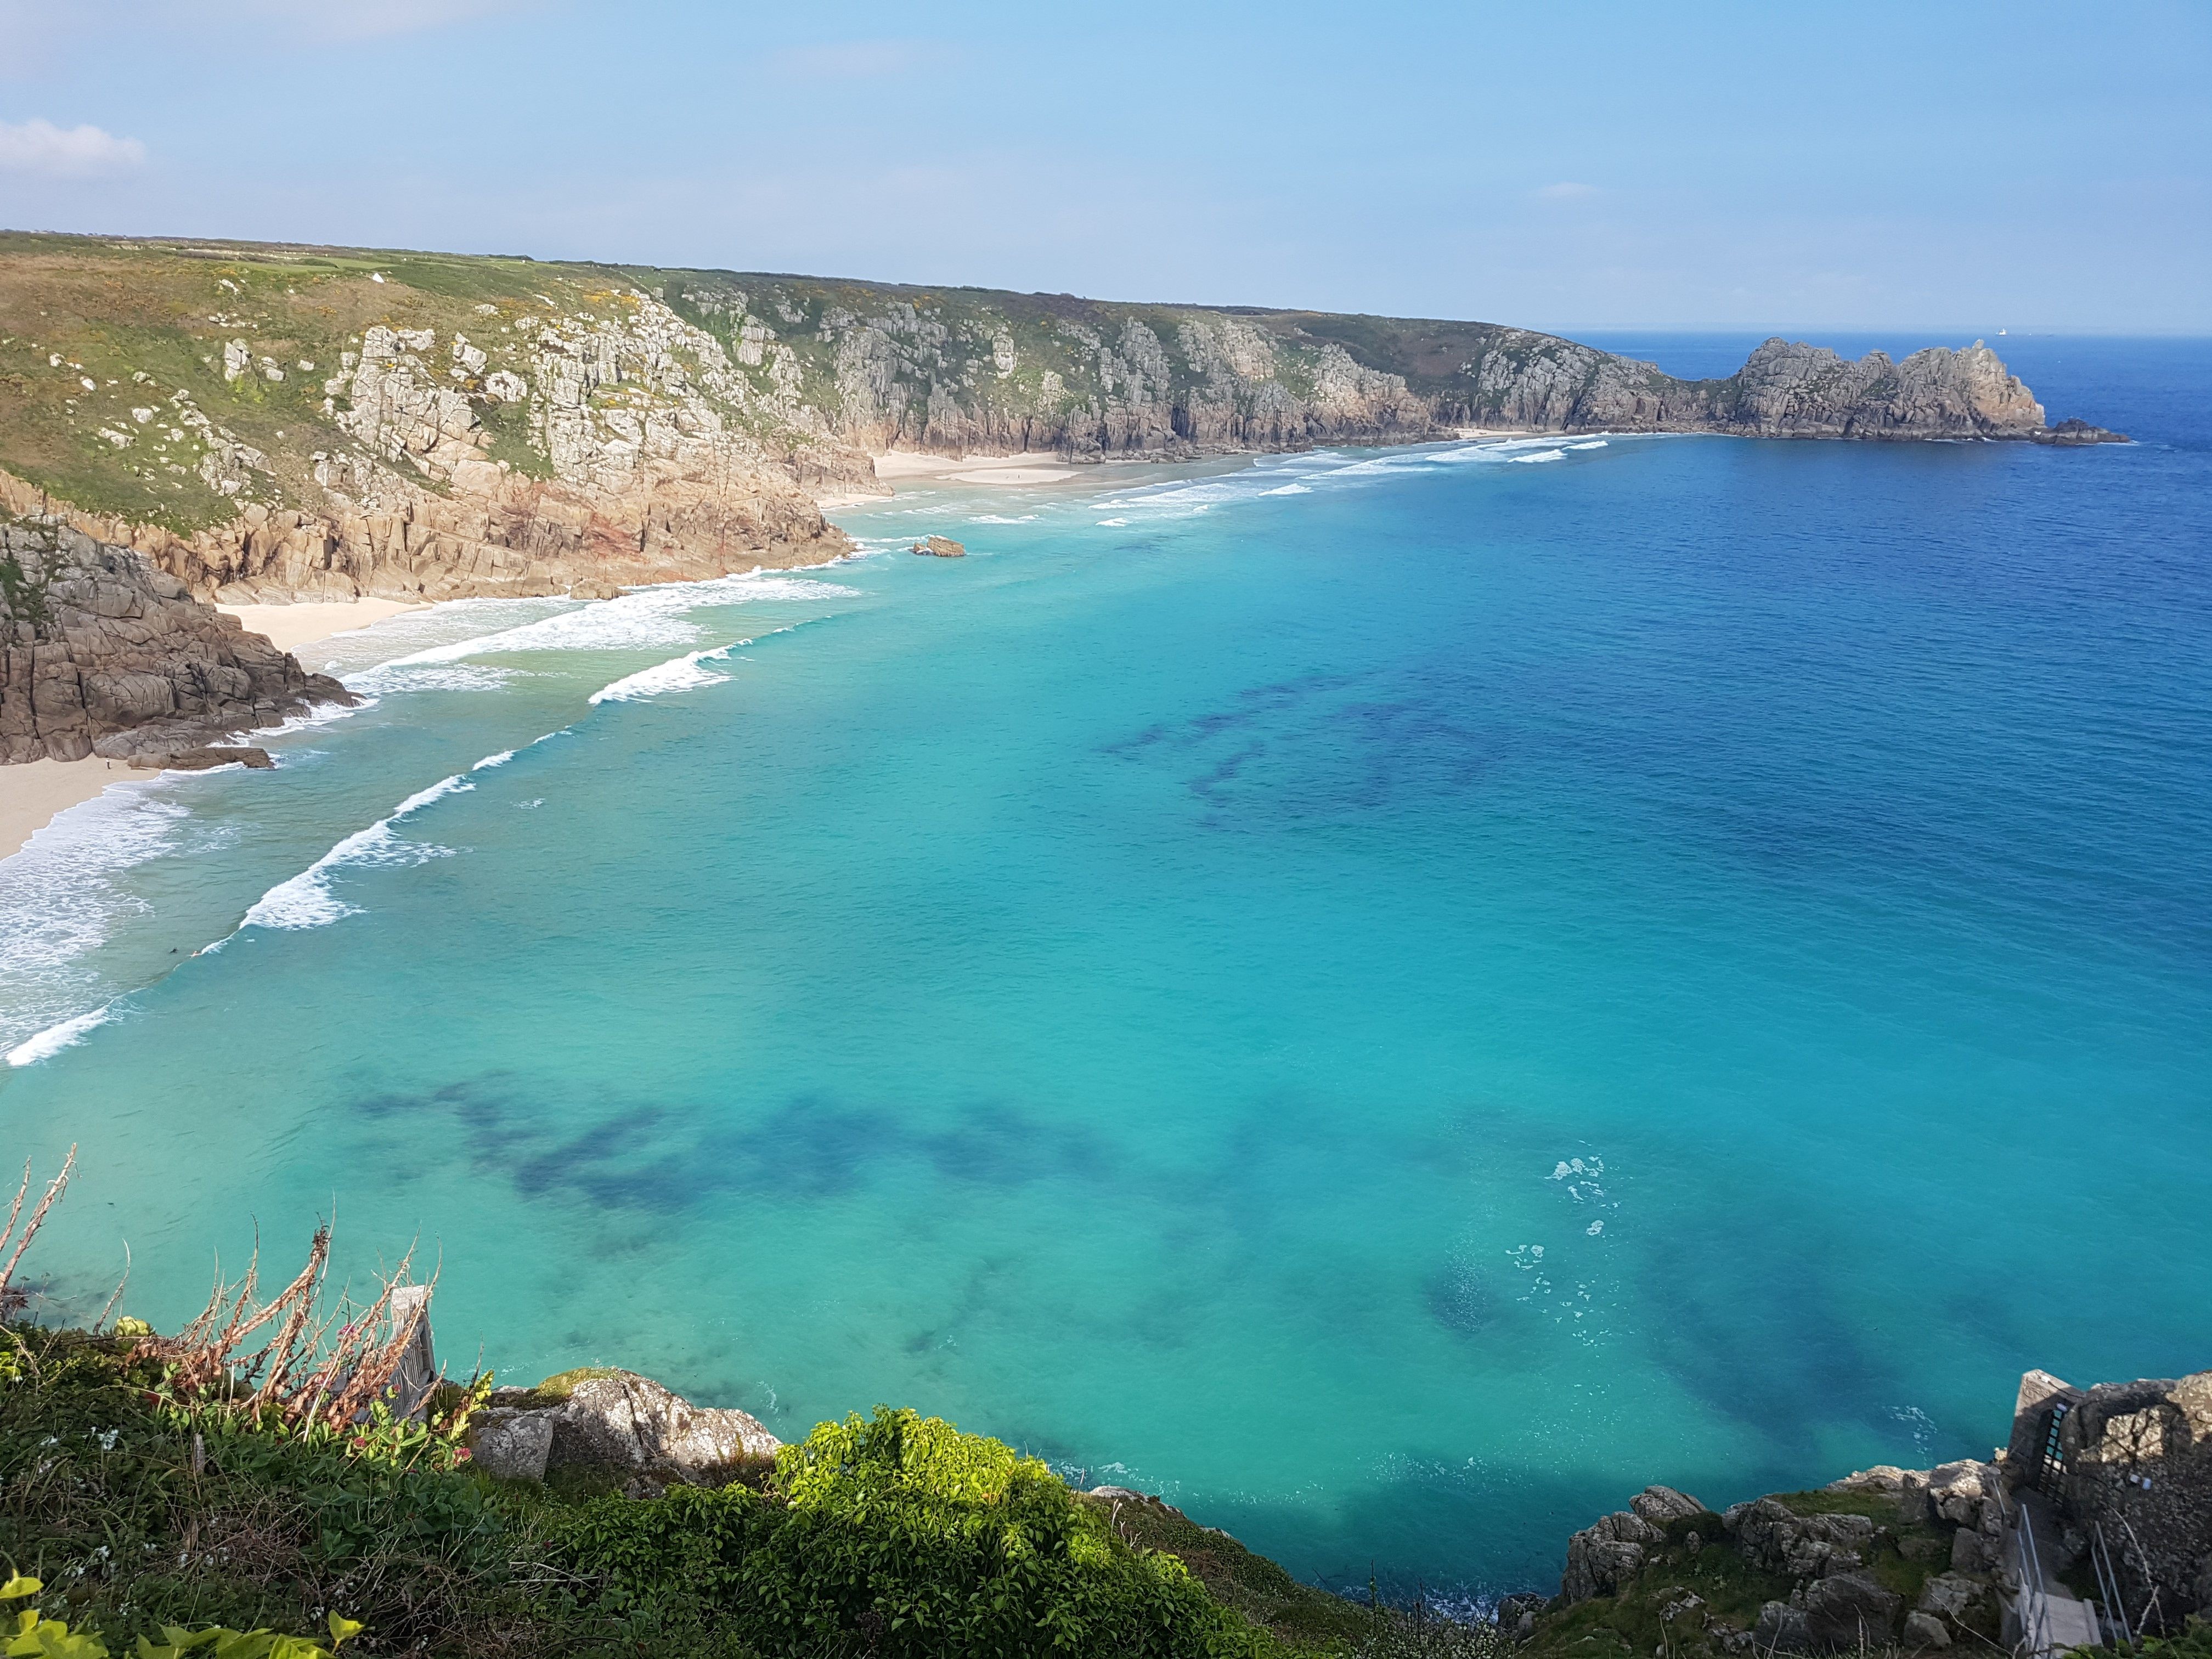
1660,1504
940,547
1516,1615
206,757
1777,1539
1781,1628
510,1444
2077,431
1922,1631
1602,1557
1948,1595
1849,1610
620,1426
1956,1491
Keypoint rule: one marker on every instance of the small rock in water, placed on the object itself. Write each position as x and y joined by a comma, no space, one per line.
940,547
207,755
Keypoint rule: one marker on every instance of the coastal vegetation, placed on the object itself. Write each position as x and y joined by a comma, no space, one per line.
200,1493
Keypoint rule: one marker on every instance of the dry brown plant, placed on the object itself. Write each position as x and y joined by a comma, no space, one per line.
302,1375
12,1298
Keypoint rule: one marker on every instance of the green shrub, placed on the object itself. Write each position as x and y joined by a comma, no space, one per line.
904,1536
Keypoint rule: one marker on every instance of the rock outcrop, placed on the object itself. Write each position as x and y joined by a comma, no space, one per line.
101,653
1838,1553
481,426
618,1426
939,547
2111,1483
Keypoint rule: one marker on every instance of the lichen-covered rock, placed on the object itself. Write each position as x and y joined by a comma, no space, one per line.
939,547
1781,1629
1849,1610
1923,1631
1661,1504
510,1444
1948,1595
1603,1557
1776,1539
618,1426
102,654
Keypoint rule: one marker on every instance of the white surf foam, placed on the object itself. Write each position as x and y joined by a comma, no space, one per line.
65,895
306,900
55,1038
682,673
1543,455
638,620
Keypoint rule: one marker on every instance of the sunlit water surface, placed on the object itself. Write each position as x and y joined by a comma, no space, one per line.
1391,997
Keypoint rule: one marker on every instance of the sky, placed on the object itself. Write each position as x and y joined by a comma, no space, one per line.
1944,164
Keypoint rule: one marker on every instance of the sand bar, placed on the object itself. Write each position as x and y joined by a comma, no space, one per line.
34,794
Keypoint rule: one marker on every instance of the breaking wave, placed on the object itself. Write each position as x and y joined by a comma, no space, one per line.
638,620
55,1038
306,900
682,673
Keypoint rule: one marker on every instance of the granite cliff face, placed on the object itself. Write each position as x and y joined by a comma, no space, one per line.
102,654
266,423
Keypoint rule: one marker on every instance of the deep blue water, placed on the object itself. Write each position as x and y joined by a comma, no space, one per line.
1394,997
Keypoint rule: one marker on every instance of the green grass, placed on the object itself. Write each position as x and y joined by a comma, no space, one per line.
894,1536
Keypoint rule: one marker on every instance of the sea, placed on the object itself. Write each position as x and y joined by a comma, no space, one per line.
1392,997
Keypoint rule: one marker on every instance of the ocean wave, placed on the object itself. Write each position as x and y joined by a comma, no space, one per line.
306,900
63,897
642,619
1543,455
55,1038
1595,443
1289,489
1112,524
995,517
682,673
429,677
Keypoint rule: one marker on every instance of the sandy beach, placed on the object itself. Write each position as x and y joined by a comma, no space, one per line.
288,627
32,794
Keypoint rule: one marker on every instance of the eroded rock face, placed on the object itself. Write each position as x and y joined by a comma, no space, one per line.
620,1426
940,547
1602,1557
102,654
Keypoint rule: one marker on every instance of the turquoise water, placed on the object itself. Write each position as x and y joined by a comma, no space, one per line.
1394,997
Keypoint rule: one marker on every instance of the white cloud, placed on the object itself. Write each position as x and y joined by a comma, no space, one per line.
38,146
1566,192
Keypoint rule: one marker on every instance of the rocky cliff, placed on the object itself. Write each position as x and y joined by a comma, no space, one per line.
264,422
102,654
2114,1482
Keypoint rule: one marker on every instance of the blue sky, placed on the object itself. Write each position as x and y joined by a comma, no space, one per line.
1942,164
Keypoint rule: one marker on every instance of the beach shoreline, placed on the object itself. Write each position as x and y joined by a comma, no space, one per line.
34,794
